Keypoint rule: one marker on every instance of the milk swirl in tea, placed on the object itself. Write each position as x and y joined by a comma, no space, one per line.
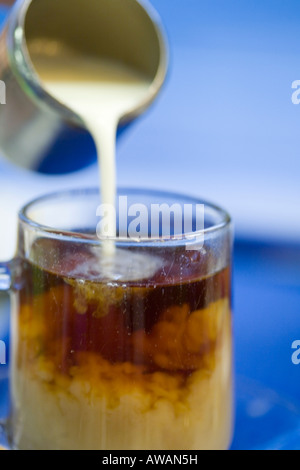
142,364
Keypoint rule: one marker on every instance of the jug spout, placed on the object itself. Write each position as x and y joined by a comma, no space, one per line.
38,132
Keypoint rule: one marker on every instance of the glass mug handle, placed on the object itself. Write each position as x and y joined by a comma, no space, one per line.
5,285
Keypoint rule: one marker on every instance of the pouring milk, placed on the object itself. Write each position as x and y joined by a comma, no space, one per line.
101,92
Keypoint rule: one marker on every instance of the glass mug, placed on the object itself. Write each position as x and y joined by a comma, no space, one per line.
126,351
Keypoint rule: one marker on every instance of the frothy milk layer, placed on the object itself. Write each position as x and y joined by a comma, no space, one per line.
100,92
121,266
100,405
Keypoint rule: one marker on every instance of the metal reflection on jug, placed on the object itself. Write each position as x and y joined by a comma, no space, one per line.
57,138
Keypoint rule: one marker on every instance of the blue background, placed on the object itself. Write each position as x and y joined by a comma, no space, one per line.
225,128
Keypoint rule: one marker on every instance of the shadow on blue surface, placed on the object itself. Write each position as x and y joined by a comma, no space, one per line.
264,420
267,307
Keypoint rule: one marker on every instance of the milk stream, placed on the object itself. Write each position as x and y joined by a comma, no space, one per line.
101,92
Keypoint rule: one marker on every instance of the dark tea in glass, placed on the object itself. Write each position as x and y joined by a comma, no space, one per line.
134,352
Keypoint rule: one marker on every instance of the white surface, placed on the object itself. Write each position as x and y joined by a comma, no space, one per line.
17,187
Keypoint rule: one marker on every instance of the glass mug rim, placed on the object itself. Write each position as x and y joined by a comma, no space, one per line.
220,232
224,222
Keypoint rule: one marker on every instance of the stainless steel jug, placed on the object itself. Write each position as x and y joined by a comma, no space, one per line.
38,132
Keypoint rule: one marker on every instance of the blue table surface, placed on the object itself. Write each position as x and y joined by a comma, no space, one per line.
266,268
